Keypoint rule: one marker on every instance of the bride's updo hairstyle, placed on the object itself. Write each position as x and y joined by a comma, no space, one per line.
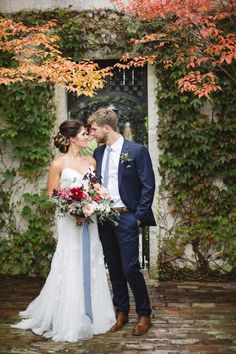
68,129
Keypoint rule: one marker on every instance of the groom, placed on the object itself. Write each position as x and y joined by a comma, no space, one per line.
125,168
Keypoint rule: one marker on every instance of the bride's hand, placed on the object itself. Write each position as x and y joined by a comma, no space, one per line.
96,186
80,219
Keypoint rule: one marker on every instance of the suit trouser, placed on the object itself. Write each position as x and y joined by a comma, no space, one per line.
121,249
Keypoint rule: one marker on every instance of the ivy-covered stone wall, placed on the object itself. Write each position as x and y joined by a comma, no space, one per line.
198,169
197,214
26,216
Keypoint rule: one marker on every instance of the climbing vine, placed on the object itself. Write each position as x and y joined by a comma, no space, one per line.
28,119
86,34
27,115
198,169
27,251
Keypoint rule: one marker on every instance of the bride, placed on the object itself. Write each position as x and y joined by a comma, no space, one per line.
69,307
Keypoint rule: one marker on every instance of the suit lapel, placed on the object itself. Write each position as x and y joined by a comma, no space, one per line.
99,162
125,149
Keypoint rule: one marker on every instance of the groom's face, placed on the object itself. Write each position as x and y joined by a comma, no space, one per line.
99,132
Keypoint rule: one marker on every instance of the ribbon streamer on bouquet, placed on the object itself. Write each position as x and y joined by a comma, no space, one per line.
87,271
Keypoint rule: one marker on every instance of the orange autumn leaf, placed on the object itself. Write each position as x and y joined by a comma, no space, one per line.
36,52
201,85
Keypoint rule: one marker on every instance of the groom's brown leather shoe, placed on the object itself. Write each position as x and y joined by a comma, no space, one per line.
121,320
142,326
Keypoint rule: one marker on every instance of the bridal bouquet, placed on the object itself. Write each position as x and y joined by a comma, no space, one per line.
83,199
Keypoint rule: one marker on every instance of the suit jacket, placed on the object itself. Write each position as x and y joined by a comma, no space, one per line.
136,180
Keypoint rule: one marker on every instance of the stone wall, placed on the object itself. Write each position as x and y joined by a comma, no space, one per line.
11,6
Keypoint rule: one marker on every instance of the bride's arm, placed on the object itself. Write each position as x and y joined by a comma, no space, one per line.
54,176
93,163
96,185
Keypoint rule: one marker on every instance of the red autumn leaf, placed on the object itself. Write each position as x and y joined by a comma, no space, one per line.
192,29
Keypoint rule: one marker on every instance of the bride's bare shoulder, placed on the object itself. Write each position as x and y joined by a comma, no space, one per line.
57,163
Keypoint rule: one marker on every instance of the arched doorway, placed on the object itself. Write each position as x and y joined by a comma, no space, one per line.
126,92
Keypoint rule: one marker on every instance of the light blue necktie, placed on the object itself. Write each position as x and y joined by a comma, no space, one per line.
106,169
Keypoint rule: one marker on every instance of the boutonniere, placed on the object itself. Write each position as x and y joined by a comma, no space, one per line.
125,158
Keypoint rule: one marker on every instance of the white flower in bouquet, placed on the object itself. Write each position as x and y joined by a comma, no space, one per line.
88,209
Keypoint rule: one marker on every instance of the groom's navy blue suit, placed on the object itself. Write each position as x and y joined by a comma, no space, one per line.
120,243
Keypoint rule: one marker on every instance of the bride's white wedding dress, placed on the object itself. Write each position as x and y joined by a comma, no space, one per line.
59,312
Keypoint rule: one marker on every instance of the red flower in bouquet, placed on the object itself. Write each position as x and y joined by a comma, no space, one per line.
78,193
97,198
82,200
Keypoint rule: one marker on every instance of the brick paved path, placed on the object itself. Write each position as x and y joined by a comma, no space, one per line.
189,317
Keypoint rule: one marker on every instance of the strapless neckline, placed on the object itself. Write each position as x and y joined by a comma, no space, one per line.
72,169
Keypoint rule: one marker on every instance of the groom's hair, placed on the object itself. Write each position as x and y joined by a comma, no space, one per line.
104,116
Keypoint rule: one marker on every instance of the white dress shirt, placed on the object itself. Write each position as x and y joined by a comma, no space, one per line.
113,187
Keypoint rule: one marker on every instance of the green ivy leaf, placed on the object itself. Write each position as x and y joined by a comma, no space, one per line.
9,174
